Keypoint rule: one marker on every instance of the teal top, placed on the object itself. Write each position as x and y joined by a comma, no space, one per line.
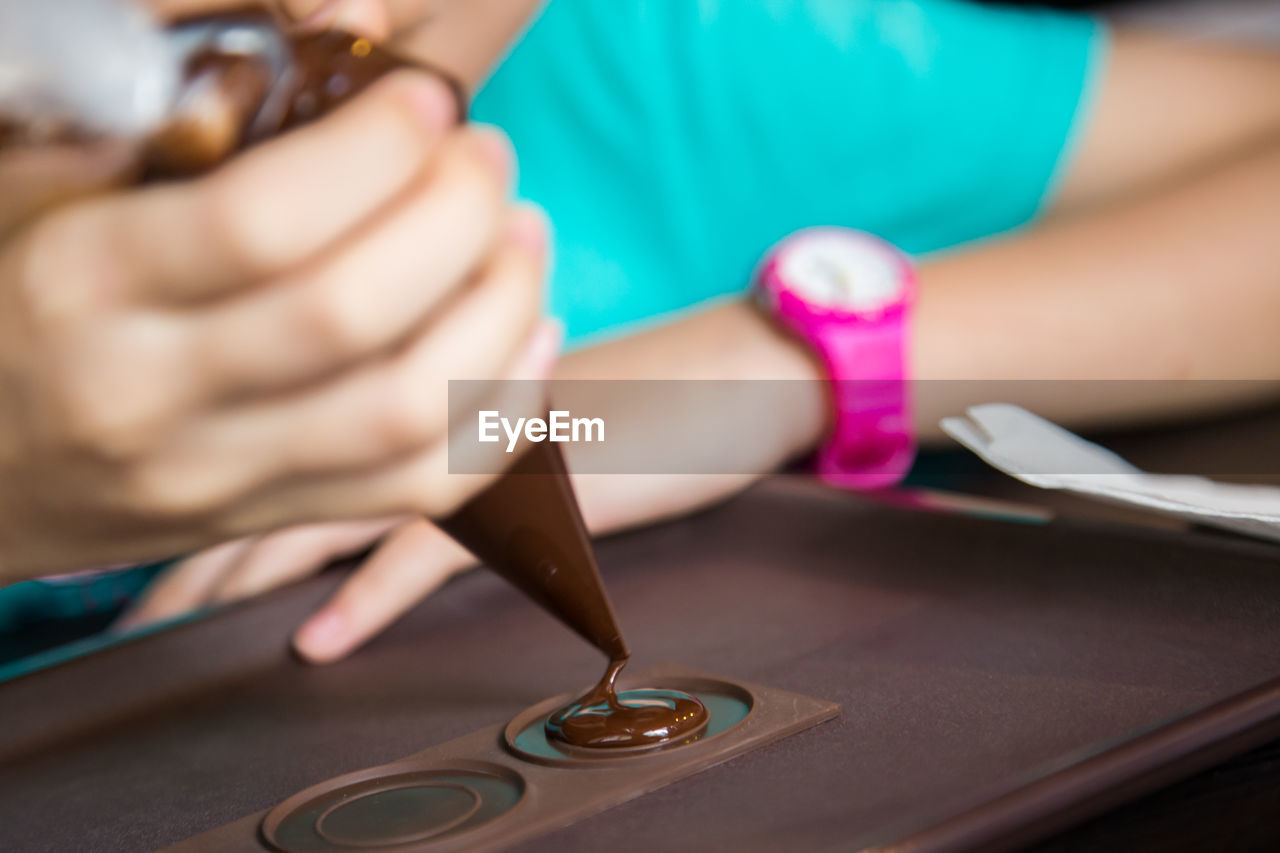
674,141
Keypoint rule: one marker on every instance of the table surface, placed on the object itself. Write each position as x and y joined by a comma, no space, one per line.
1233,805
971,657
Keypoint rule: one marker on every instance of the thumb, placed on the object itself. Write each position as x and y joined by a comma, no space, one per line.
368,18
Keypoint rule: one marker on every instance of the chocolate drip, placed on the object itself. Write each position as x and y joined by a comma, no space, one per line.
527,527
633,720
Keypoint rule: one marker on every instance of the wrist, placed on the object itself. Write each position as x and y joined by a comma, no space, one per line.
847,296
775,353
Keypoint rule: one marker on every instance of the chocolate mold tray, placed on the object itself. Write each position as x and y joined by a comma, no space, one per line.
506,784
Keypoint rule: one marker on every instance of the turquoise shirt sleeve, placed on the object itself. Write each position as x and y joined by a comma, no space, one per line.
674,141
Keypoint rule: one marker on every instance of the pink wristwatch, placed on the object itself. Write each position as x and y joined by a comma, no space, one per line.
849,294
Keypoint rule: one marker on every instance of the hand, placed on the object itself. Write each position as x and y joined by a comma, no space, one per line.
267,346
729,341
463,37
413,559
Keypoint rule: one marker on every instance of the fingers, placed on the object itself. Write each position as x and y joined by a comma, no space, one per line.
405,15
362,425
401,405
290,555
368,18
277,205
250,566
183,587
404,265
420,483
372,18
37,178
411,564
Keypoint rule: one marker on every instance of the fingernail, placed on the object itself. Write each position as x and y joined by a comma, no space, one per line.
321,637
542,350
432,100
495,147
306,12
528,228
359,17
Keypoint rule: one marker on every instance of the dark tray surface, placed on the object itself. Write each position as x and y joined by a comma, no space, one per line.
970,657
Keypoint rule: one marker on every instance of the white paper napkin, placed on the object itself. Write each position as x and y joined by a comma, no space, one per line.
1044,454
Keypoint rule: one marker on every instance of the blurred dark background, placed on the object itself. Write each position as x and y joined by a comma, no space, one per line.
1255,20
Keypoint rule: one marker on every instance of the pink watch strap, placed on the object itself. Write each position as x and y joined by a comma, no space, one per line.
873,445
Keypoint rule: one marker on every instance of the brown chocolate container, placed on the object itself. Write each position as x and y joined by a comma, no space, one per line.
250,77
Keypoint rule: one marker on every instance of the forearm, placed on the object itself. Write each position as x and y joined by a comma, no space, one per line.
729,341
1168,108
1181,285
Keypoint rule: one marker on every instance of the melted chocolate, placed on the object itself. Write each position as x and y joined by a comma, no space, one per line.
633,720
207,125
526,526
332,66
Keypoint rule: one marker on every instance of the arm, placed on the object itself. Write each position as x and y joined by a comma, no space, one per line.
1181,284
1101,296
1168,108
1180,281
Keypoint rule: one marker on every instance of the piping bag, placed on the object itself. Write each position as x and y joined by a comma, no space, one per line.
195,93
85,66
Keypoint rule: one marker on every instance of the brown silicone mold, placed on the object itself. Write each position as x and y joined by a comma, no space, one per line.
505,784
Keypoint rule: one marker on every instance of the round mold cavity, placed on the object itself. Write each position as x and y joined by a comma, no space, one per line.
394,807
727,706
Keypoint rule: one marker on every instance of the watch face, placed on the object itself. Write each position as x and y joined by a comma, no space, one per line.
843,270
